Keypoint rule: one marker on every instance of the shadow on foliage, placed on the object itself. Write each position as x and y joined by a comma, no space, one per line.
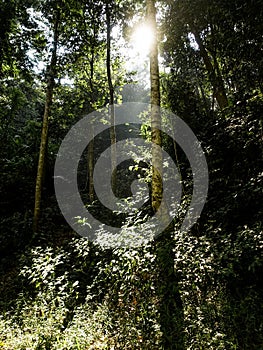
170,307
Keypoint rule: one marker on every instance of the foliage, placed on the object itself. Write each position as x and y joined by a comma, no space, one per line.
60,291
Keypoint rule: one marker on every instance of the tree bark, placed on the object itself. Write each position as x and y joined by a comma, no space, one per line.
111,101
91,144
90,159
214,74
51,72
170,305
157,187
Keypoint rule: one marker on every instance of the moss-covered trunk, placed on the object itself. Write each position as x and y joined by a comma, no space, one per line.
155,112
51,73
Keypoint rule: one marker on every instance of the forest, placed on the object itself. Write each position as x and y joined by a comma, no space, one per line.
131,153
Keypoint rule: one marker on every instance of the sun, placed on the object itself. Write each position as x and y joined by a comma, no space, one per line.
142,39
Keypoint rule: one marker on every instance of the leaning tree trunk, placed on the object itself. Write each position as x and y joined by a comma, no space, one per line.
51,71
111,102
214,74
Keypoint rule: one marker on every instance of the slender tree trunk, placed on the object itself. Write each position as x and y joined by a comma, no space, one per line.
214,74
90,149
111,102
91,144
170,305
51,72
157,160
90,158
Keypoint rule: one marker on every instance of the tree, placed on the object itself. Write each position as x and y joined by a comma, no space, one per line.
51,74
155,111
111,99
226,53
92,49
13,55
213,73
170,303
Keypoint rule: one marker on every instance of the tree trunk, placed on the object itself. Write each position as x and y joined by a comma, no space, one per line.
91,99
111,101
157,160
90,158
214,74
91,144
170,305
51,72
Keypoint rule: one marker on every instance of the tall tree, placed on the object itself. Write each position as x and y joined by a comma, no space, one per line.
91,46
170,303
111,100
51,74
191,35
228,53
155,110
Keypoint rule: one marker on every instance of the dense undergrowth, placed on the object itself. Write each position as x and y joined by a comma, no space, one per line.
198,290
77,296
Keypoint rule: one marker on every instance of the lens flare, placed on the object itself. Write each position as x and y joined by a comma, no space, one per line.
142,39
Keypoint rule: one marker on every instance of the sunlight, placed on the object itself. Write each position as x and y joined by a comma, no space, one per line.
142,39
